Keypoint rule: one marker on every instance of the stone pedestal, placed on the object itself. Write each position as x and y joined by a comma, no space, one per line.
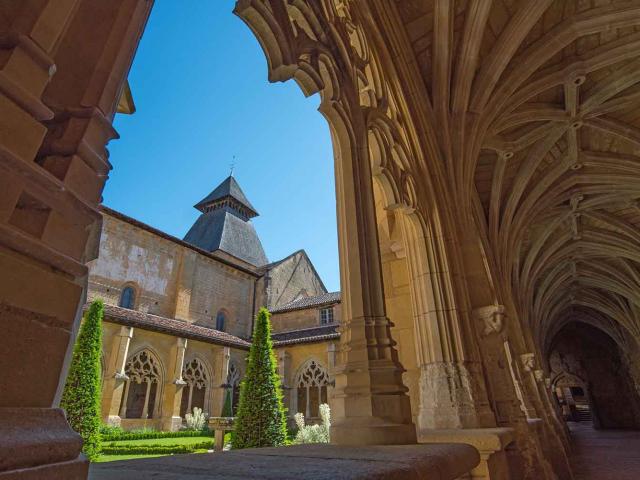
37,443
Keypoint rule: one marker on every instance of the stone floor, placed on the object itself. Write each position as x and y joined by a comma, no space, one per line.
605,454
308,462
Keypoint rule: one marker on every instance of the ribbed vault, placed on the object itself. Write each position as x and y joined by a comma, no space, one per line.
538,108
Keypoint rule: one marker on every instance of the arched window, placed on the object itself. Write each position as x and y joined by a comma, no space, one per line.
311,389
221,320
141,396
233,380
197,388
128,298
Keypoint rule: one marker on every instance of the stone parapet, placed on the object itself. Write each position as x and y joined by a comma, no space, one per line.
311,462
37,443
491,443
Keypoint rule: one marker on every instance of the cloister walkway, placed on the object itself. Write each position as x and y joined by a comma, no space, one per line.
605,454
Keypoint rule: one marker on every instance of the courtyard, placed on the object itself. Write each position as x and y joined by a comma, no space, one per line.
320,239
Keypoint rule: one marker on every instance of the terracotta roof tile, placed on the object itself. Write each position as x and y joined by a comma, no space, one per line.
306,335
308,302
147,321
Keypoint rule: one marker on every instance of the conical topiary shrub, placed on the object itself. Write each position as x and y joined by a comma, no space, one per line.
260,419
227,409
81,396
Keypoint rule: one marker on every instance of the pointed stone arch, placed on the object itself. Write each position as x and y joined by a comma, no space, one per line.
143,389
311,384
197,375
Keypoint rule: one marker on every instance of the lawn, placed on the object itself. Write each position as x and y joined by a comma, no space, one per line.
164,441
176,441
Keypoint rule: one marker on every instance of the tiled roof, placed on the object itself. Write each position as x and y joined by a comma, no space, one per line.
228,188
306,335
222,229
308,302
180,328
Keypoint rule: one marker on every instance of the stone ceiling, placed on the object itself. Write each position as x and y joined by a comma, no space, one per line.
550,96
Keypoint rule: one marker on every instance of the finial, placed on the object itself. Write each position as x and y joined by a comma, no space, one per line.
233,164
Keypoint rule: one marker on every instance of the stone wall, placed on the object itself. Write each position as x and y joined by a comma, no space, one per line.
304,318
290,277
170,279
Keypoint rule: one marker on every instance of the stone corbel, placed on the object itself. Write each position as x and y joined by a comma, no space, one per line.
493,317
539,375
528,361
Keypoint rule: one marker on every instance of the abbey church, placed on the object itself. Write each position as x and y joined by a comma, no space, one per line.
179,315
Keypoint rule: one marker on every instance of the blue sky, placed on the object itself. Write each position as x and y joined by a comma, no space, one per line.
199,82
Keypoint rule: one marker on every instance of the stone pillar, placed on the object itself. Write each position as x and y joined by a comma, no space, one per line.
172,395
527,460
452,390
115,377
555,444
219,380
61,77
370,404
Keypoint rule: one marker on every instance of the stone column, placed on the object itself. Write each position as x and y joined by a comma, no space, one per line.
115,377
219,380
370,404
452,391
172,395
53,165
284,371
528,460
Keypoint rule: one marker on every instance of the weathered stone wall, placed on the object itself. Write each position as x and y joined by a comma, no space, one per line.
290,277
305,318
170,279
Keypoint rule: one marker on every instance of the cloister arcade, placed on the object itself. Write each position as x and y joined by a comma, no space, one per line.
487,183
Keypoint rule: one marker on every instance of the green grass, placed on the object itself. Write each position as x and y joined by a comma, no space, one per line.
163,441
153,441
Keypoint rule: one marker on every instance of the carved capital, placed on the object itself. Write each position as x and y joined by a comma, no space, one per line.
528,361
492,317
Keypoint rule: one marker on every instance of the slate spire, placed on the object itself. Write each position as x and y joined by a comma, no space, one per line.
225,224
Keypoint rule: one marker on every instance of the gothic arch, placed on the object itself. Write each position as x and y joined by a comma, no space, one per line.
197,375
310,388
142,395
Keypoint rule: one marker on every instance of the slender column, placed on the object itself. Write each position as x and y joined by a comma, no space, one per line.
525,402
190,398
172,395
284,368
221,370
207,401
145,409
123,406
115,377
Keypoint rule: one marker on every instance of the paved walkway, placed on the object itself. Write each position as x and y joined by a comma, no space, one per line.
605,454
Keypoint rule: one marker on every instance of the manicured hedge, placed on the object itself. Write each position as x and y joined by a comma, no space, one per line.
149,435
154,449
260,419
81,396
